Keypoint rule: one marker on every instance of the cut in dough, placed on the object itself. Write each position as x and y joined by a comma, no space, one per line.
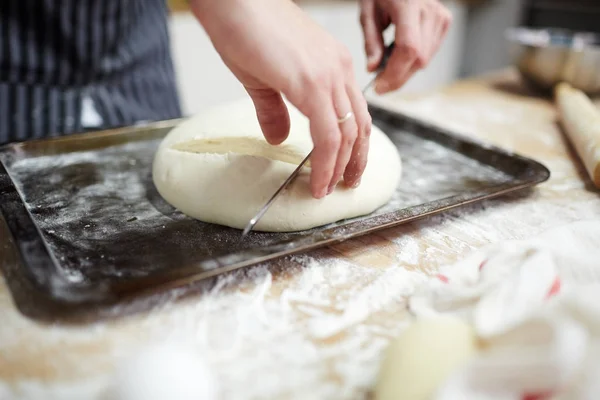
250,146
581,120
218,168
423,357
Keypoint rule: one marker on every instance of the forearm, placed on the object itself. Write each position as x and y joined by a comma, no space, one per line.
214,13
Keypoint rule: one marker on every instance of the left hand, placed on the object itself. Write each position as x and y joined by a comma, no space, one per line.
421,26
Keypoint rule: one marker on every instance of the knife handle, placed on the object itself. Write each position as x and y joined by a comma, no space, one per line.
387,53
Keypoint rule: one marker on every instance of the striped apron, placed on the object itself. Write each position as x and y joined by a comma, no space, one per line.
69,66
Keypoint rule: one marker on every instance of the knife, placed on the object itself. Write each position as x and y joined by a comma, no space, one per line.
386,55
264,208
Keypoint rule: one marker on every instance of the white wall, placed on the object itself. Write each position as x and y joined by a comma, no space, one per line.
204,80
485,44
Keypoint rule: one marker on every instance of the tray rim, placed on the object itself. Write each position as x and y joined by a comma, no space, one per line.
85,299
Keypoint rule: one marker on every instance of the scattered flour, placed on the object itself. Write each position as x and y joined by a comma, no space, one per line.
316,326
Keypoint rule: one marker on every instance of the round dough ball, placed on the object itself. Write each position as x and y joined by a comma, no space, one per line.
423,357
163,371
218,168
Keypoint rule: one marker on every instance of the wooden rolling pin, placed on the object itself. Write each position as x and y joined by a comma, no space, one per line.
581,121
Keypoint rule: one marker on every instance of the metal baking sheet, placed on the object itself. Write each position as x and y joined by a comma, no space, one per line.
85,229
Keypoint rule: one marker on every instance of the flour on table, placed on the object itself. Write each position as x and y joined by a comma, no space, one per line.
247,323
290,327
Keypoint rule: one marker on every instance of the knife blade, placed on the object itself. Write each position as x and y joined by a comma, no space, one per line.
264,208
254,220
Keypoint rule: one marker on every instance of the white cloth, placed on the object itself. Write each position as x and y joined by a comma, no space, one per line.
536,308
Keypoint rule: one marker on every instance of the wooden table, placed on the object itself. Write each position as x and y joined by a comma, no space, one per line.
314,326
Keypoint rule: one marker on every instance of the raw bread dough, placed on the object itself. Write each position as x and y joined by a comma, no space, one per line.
218,168
420,360
167,370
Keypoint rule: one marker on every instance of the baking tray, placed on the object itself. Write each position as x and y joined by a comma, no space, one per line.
86,231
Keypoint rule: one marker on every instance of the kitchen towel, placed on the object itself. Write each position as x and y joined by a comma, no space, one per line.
535,307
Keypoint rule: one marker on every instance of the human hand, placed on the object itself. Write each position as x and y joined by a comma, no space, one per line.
275,49
421,26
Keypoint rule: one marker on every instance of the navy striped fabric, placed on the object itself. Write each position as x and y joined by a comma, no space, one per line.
68,66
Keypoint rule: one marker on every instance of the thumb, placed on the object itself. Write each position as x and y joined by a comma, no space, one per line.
272,114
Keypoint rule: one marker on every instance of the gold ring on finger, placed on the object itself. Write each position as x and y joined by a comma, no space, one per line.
345,118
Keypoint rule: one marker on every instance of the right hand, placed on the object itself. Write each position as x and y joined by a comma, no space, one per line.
275,49
420,27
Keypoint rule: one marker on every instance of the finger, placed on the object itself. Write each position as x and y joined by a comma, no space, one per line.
348,130
272,114
429,34
372,33
436,43
412,70
407,50
443,25
396,73
326,138
435,22
360,150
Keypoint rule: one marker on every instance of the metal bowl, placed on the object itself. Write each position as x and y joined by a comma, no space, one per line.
546,57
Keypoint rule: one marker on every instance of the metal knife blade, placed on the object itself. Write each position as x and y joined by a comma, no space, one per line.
386,55
264,208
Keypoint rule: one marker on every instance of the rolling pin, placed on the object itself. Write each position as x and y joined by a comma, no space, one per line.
581,121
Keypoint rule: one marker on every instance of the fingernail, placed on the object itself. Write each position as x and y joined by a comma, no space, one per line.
380,86
322,193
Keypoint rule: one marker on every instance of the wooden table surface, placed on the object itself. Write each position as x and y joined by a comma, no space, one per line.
315,325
